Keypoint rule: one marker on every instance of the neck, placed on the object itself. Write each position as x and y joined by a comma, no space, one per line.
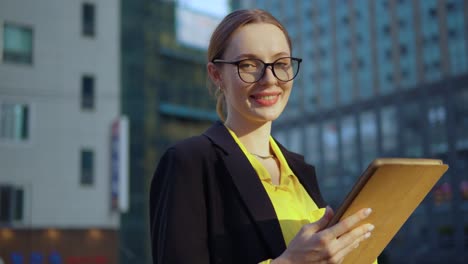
254,137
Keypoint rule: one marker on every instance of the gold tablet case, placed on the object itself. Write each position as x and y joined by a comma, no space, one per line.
393,188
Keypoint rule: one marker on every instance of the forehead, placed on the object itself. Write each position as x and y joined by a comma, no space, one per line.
260,39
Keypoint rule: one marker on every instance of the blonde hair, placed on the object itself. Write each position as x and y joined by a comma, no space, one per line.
221,38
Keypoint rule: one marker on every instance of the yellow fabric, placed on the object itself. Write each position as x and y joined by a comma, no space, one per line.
293,205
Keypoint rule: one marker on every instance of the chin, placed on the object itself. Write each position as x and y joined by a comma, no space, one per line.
268,117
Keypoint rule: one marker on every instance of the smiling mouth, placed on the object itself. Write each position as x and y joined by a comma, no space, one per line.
266,100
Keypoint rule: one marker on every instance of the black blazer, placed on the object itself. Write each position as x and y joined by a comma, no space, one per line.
207,204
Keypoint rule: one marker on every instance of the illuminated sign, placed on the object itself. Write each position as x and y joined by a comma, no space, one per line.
119,164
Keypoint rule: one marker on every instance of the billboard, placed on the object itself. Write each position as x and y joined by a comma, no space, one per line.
194,28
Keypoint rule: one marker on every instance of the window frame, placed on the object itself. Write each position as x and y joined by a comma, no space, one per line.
29,124
17,210
83,180
88,28
88,104
22,27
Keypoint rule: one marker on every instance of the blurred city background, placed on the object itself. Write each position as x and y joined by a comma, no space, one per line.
93,91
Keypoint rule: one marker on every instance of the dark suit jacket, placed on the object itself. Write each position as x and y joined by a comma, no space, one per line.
207,204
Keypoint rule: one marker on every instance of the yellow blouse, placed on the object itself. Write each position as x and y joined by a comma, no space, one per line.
293,205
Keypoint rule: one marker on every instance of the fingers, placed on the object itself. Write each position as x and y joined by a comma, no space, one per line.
354,237
348,223
315,242
315,227
353,245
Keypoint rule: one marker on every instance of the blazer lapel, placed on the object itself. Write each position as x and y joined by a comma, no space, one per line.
250,188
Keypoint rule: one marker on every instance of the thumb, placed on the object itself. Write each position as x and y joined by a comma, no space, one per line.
322,222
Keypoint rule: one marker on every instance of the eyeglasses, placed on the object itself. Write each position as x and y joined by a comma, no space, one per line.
252,70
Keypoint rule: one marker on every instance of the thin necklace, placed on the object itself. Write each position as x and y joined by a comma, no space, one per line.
263,157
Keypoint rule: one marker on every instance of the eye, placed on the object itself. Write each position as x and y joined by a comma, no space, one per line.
283,63
248,65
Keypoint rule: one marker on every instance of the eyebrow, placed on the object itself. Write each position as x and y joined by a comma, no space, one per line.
251,55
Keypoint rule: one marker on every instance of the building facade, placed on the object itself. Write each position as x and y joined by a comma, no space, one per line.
383,78
165,96
59,95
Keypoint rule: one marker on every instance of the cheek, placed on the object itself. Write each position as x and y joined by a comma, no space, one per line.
287,89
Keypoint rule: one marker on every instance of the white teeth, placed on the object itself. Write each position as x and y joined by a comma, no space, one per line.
267,97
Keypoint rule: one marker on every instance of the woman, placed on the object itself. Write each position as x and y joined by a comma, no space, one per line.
234,194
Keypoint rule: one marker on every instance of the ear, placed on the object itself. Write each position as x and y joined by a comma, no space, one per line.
214,73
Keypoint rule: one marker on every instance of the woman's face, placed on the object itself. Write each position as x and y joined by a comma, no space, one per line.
264,100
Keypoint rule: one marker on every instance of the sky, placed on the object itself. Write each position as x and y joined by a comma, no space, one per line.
217,8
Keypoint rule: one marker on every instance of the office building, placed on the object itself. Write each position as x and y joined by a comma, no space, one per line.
383,78
165,96
59,96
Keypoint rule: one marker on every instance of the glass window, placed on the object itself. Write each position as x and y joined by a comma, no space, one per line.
461,119
17,44
330,154
5,204
430,39
389,128
384,44
327,95
436,117
368,135
14,121
313,146
363,59
87,167
11,204
457,38
348,134
407,45
309,72
280,136
87,92
88,14
346,87
462,168
446,236
295,140
411,124
19,204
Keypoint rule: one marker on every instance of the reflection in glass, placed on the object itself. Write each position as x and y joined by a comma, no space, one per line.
368,129
312,147
411,123
436,117
280,137
348,136
461,120
430,40
17,43
457,39
330,153
295,140
389,128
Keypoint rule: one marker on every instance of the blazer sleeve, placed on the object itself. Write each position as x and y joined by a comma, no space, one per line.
178,210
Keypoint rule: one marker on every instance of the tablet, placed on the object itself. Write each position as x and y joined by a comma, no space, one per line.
393,188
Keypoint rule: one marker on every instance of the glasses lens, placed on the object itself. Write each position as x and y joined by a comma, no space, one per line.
286,69
250,70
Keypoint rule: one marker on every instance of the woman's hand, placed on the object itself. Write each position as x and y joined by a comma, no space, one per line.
314,244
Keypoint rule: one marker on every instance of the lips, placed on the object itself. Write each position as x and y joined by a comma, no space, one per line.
266,99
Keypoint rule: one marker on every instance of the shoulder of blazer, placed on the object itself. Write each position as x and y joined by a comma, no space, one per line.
196,146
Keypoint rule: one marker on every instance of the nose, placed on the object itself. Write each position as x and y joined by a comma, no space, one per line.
268,76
